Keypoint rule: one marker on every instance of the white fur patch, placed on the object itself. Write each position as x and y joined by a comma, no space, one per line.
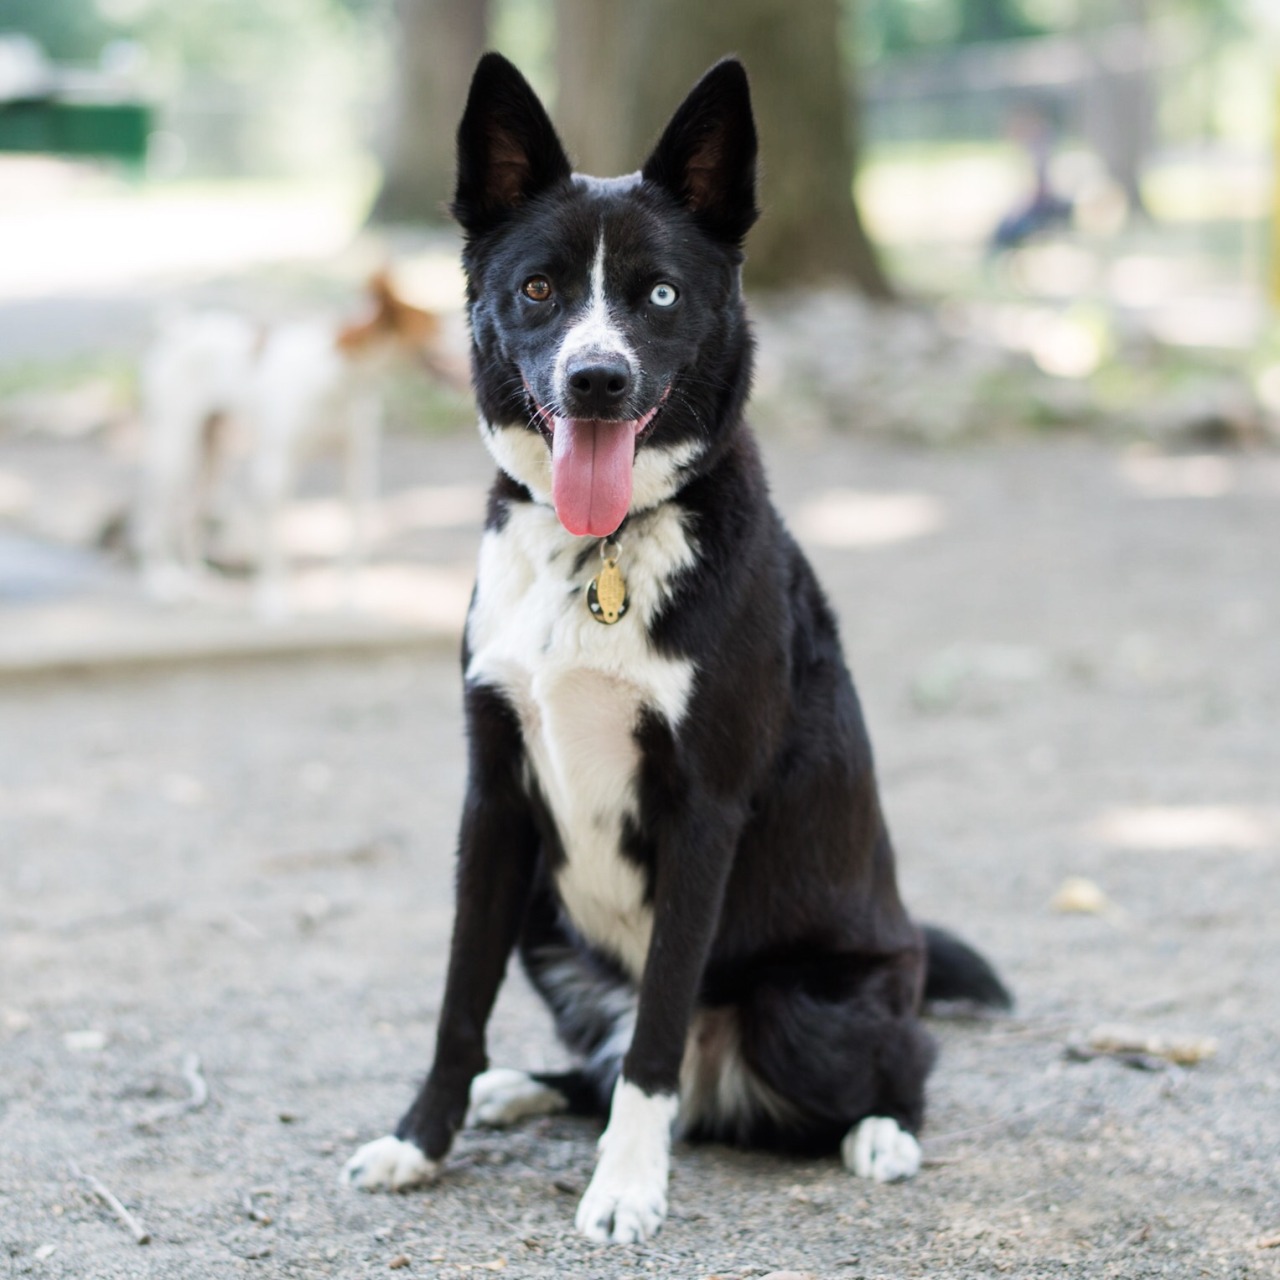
579,688
523,454
388,1164
593,333
627,1199
656,475
502,1096
878,1148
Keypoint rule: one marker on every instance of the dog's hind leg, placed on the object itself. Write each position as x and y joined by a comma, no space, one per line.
880,1149
593,1005
594,1011
847,1071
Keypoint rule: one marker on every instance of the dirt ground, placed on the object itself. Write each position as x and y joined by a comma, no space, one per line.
1069,660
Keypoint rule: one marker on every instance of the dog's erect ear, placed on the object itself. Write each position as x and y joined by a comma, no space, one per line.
706,157
507,148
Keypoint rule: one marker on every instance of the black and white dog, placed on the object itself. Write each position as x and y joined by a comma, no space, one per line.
672,811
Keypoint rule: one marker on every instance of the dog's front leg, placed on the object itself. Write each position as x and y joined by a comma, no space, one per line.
364,426
497,850
627,1198
273,479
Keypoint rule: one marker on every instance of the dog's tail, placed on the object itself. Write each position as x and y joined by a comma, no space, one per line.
955,971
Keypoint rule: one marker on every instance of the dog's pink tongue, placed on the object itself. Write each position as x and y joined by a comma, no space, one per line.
591,474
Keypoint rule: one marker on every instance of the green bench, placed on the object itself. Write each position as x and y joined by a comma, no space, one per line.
70,127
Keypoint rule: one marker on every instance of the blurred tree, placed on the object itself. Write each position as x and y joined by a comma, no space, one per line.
596,77
437,44
624,66
1119,108
906,26
68,30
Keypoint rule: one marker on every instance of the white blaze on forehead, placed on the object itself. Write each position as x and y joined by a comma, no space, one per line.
594,331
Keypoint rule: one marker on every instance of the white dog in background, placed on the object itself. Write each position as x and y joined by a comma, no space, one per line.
288,391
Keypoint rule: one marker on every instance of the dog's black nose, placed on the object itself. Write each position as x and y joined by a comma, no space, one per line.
597,386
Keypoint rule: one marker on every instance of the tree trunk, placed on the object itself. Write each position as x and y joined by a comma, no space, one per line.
1119,107
438,43
810,232
597,73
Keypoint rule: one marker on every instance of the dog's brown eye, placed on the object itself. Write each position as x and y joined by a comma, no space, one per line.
538,288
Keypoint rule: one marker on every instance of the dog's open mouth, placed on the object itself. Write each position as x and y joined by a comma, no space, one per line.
591,468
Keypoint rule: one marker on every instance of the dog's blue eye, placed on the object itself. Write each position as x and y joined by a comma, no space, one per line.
664,295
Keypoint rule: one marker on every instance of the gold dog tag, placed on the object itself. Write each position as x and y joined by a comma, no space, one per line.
607,591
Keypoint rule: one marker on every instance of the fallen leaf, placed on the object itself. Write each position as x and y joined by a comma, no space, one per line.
1079,896
16,1020
1185,1051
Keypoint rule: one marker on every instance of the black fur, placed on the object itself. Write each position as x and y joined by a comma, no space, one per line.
758,826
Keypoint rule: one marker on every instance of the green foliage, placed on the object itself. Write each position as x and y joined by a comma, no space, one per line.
420,404
67,30
906,26
288,86
241,38
25,376
885,27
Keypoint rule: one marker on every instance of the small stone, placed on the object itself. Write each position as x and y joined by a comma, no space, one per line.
182,789
86,1041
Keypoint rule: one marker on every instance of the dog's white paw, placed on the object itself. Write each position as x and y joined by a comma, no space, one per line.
877,1148
388,1164
503,1096
627,1199
622,1204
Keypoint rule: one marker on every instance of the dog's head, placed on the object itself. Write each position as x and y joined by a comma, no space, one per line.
610,349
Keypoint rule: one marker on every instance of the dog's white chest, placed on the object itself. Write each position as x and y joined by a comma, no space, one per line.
579,688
